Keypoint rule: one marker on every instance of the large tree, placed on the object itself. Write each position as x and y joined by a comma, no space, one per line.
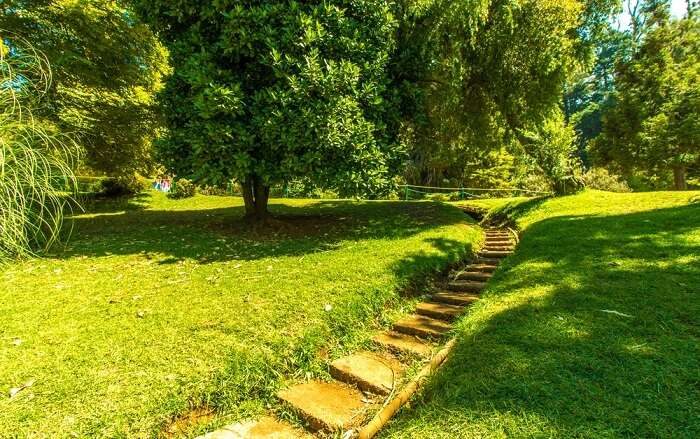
480,73
654,124
266,91
106,67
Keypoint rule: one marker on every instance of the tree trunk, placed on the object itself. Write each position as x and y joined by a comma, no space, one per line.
255,197
679,178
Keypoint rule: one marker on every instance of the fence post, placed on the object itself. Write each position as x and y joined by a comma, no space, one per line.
406,193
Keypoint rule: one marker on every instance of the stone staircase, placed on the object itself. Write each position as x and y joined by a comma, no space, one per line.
364,380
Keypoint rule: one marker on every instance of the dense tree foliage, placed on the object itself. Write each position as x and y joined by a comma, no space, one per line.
266,91
489,71
105,70
654,124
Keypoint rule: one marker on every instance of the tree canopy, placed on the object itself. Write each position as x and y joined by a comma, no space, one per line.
106,67
266,91
654,123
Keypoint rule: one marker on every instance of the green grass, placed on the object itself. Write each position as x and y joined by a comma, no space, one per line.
590,330
158,306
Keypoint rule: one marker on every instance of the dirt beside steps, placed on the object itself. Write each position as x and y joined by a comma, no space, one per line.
363,381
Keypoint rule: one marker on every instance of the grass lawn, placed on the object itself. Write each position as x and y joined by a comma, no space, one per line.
590,330
158,306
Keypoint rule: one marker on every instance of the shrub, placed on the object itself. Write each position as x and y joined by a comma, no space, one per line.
122,186
601,179
183,188
212,190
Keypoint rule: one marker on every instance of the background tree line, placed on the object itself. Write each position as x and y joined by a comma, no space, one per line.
357,96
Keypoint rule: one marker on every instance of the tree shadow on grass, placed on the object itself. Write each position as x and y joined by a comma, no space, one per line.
221,234
590,329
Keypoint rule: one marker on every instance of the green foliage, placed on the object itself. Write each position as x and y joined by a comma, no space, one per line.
602,179
475,73
550,150
35,164
183,188
122,186
654,125
106,68
267,91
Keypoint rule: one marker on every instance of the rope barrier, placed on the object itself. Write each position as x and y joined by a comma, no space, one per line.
476,189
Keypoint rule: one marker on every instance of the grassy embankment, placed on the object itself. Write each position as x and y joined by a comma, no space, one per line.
159,306
590,330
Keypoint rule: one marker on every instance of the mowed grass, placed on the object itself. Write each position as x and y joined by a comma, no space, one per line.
158,306
589,330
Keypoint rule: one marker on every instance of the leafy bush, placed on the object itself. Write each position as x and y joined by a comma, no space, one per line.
183,188
601,179
122,186
212,190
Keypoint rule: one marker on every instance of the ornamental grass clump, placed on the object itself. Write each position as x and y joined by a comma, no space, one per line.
36,178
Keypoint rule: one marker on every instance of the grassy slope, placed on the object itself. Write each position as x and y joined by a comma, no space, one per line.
539,356
170,303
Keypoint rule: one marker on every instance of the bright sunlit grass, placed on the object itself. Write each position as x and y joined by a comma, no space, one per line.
589,330
157,306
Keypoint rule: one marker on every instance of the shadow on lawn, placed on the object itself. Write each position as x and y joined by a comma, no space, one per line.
209,235
556,360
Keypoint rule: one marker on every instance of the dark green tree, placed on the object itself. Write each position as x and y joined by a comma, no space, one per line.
654,124
478,74
267,91
106,67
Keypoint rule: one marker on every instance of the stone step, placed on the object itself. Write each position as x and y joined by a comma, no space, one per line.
494,254
484,268
498,248
403,343
422,326
462,299
498,242
480,260
440,311
466,286
368,371
263,428
330,407
480,276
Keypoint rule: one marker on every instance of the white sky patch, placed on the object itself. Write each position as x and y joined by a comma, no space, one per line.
678,10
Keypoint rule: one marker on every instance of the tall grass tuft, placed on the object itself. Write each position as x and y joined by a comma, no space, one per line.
36,165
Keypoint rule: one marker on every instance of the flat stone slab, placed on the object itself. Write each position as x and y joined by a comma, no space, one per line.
263,428
481,260
440,311
330,407
494,254
422,326
505,248
498,241
486,268
462,299
369,371
480,276
466,286
398,342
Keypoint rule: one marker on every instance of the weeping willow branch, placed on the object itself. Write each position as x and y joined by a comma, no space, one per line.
36,165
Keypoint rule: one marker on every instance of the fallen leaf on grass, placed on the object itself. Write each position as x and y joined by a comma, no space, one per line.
15,390
617,313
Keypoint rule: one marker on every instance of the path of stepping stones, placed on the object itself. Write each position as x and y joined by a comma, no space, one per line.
365,381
